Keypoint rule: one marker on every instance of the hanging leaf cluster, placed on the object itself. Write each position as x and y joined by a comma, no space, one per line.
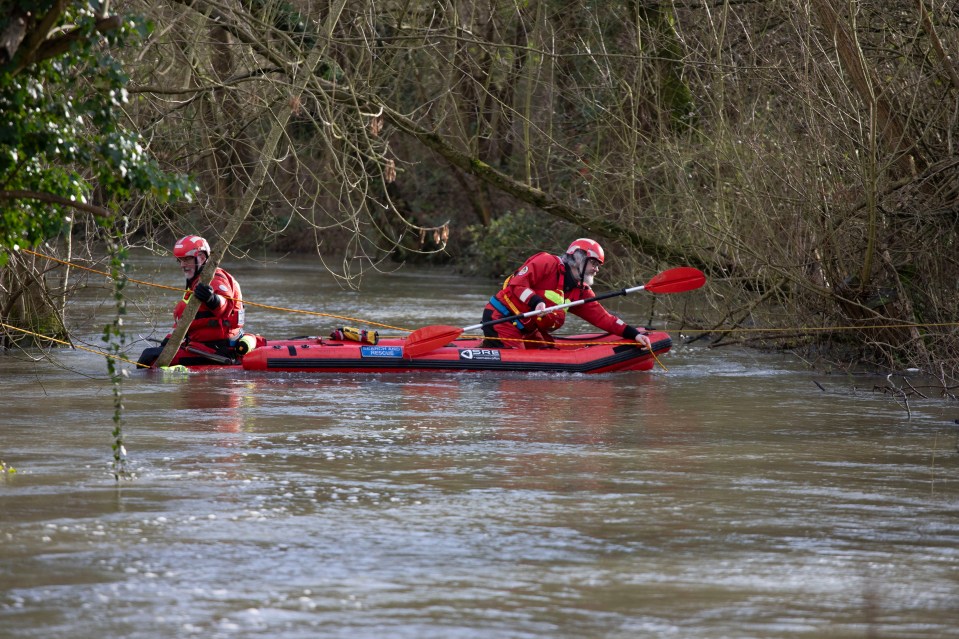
63,140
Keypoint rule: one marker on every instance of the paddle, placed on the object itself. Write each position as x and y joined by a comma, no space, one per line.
675,280
213,357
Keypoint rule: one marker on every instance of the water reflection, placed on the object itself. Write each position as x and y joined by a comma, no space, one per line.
217,404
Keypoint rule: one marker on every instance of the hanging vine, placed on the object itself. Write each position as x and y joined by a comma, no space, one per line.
114,337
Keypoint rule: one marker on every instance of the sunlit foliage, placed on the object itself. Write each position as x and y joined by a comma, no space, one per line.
63,144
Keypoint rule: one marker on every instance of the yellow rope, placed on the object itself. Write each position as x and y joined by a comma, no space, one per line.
406,330
129,361
850,327
181,291
60,341
275,308
578,342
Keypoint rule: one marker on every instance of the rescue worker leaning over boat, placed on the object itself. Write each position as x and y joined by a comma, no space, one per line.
546,280
218,324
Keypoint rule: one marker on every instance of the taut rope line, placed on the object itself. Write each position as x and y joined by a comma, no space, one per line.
407,330
181,291
245,302
65,343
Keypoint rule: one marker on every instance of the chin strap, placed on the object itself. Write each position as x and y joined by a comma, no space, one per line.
578,256
197,270
568,275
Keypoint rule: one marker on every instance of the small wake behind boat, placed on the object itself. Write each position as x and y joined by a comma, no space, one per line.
588,353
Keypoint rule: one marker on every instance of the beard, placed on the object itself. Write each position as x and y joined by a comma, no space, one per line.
576,269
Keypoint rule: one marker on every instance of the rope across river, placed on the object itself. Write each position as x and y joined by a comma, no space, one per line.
367,322
181,291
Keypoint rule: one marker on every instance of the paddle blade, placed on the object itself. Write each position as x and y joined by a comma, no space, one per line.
429,338
676,280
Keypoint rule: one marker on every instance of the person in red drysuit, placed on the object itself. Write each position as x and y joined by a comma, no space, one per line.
219,321
544,281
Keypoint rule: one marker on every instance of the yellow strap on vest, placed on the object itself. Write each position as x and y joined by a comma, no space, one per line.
556,297
511,305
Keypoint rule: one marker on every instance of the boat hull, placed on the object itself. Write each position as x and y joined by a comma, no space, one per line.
593,353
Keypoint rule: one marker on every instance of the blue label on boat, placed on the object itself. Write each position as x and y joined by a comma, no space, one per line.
485,354
381,351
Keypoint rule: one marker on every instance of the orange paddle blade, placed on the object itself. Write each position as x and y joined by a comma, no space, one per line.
429,338
676,280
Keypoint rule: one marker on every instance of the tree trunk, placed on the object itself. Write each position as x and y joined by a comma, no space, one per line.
891,128
265,160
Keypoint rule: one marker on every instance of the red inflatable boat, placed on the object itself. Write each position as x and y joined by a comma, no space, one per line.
592,353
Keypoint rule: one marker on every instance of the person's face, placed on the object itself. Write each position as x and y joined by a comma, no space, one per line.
189,265
592,268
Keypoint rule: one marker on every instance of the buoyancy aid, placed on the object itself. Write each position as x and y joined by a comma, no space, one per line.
541,278
223,323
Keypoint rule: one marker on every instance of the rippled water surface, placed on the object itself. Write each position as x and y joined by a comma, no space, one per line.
728,496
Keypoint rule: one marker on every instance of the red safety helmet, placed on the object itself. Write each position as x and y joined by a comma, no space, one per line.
190,246
590,247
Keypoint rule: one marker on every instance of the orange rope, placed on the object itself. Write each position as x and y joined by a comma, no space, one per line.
406,330
578,342
181,291
60,341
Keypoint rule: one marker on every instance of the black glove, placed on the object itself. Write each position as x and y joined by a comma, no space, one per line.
204,293
534,301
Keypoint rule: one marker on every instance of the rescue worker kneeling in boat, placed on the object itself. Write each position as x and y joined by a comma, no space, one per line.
547,280
218,325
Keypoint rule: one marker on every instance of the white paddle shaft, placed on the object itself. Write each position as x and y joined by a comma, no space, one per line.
550,309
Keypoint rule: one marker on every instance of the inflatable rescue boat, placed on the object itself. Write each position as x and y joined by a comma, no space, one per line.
589,353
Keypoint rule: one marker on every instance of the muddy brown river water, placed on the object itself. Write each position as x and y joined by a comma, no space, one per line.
728,496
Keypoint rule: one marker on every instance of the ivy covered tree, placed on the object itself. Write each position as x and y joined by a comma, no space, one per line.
63,143
64,147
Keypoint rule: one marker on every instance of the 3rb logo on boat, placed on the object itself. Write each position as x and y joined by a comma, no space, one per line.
486,354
